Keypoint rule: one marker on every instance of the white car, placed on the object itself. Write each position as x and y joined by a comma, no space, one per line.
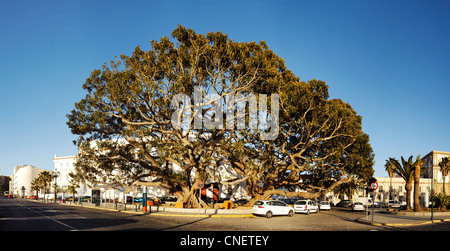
394,204
305,206
268,208
358,206
324,205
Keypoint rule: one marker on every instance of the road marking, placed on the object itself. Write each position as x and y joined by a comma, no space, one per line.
57,221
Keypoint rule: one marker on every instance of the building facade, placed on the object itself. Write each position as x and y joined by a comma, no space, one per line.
20,184
432,178
431,161
4,183
64,165
388,188
394,189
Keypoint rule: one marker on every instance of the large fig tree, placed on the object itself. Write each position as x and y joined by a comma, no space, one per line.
171,112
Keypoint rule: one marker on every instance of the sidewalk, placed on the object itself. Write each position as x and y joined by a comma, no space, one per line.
202,214
386,219
171,211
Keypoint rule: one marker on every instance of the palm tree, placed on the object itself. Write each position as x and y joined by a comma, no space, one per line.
36,185
45,178
73,188
444,167
417,171
406,171
390,168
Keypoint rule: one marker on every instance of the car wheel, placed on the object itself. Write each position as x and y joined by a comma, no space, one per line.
291,213
269,214
307,212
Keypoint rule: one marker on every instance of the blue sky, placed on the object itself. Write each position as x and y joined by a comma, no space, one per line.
390,60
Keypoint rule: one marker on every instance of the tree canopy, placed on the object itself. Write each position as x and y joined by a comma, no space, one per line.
302,140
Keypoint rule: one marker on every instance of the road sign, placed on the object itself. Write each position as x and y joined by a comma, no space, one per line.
374,185
200,185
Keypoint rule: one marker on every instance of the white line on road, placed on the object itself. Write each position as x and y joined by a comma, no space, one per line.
57,221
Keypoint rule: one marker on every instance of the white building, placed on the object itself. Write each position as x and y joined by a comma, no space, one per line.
22,178
432,179
64,165
398,190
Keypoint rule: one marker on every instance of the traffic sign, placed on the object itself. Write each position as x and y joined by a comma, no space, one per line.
200,185
374,185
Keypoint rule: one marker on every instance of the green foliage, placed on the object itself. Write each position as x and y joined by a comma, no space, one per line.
444,167
442,200
127,114
407,170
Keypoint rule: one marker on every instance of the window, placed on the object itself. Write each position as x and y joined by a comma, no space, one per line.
259,203
279,203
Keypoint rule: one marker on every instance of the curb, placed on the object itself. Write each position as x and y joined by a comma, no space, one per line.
400,224
203,215
170,215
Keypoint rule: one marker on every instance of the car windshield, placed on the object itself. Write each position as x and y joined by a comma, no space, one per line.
324,203
259,203
300,202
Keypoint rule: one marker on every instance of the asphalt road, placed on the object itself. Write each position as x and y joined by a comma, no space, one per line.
26,215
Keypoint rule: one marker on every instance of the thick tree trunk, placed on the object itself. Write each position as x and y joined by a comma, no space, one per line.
408,188
189,197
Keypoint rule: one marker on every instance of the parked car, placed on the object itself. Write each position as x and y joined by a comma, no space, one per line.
324,205
305,206
358,206
394,204
85,199
168,199
344,203
268,208
139,200
33,197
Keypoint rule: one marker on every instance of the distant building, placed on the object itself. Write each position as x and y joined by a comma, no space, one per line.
399,192
64,165
432,159
22,178
431,179
4,183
